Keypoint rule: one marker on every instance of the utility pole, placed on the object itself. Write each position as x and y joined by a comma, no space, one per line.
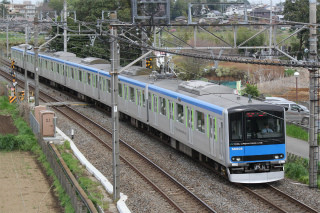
36,68
314,98
26,28
270,34
26,86
115,56
65,26
7,37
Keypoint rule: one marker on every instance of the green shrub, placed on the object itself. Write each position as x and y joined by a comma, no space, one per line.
289,72
251,90
296,171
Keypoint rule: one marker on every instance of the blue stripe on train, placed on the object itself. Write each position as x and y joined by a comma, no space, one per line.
257,150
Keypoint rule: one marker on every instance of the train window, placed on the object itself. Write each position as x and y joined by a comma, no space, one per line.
96,81
200,121
51,67
80,75
46,64
180,116
72,73
89,78
120,89
149,97
236,126
163,108
58,68
109,86
131,94
143,99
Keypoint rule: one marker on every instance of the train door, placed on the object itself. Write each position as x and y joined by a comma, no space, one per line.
65,75
126,97
155,109
139,101
221,140
171,116
190,124
212,134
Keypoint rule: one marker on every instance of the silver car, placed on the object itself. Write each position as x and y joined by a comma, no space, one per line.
294,112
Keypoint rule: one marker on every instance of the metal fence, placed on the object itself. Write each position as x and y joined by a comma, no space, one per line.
34,124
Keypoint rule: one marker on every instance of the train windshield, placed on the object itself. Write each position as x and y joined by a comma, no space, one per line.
264,125
255,125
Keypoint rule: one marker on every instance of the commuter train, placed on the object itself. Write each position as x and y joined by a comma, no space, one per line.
204,120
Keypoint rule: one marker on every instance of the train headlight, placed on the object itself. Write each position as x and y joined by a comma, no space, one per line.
276,157
233,158
238,159
281,156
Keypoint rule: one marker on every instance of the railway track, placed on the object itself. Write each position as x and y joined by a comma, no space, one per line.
276,199
177,195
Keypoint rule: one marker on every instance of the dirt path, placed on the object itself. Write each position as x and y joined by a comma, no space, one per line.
23,186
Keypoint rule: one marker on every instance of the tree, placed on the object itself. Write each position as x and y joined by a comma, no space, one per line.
192,69
299,12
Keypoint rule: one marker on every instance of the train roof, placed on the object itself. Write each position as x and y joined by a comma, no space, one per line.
204,94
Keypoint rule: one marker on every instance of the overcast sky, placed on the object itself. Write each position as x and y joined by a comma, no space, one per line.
266,1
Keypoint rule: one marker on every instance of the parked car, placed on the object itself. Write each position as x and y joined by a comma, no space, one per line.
294,112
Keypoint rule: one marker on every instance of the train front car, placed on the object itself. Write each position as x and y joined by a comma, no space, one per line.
257,144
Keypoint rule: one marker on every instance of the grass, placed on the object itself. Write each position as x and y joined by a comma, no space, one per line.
298,170
26,141
88,185
299,133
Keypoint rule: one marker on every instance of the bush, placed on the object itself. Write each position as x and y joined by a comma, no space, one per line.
251,90
289,72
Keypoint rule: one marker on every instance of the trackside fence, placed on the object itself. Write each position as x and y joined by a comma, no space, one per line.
79,199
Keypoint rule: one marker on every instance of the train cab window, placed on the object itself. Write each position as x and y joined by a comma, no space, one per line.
236,126
180,113
109,86
200,121
131,94
163,108
120,89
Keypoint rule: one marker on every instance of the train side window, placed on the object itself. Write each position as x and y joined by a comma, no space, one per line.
200,121
88,78
46,64
143,99
51,67
120,89
150,98
72,73
180,116
163,108
58,68
109,86
131,94
80,75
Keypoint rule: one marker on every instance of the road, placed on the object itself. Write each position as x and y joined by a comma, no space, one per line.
298,147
